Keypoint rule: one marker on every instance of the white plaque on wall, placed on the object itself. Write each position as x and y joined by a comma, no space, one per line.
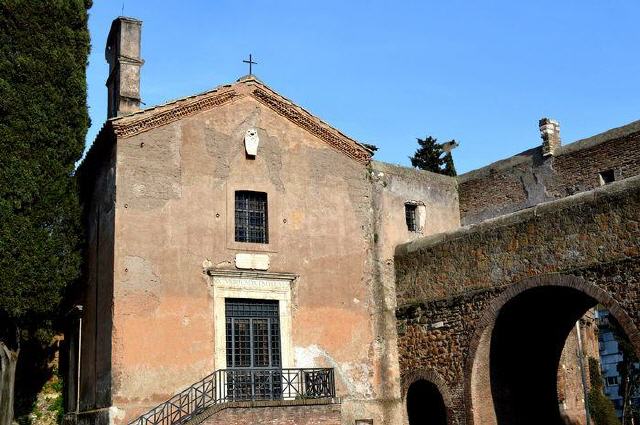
252,261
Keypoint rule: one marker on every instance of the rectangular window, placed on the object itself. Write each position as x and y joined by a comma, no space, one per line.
251,217
612,380
410,216
607,177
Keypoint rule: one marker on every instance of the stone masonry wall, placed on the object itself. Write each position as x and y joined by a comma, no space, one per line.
589,228
573,363
278,415
448,284
529,178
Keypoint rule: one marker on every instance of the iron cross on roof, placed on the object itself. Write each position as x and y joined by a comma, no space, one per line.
250,62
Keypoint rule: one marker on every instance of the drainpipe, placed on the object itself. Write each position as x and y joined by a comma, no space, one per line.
80,361
77,310
583,373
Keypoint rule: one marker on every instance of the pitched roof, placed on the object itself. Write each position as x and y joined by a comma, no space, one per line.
149,118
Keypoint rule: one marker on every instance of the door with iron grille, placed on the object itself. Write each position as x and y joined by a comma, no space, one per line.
253,349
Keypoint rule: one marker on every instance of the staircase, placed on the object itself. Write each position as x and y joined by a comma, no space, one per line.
226,386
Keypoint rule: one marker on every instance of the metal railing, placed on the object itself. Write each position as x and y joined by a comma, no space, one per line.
232,385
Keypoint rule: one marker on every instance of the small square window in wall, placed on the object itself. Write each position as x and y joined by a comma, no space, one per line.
607,177
251,217
411,216
364,421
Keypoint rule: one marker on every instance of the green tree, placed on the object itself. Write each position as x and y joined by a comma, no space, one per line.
430,156
44,46
602,410
629,371
449,167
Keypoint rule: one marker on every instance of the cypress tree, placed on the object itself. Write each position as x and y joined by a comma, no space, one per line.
427,156
44,46
449,168
431,157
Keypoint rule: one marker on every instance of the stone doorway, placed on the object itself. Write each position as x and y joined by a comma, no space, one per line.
425,405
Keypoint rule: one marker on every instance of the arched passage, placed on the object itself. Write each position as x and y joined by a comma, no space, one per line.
526,344
425,405
516,350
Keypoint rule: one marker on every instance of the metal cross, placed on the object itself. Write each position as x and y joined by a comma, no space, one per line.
250,62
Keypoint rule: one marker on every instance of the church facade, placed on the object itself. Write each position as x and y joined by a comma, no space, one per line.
231,231
241,259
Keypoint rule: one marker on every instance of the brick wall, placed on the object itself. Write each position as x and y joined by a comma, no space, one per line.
448,284
571,390
530,178
577,170
327,414
500,190
588,228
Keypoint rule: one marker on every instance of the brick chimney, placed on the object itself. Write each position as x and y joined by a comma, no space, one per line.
550,133
123,55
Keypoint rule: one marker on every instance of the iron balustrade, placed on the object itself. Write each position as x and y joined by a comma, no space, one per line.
234,385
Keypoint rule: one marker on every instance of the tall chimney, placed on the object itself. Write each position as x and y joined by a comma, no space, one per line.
550,133
123,55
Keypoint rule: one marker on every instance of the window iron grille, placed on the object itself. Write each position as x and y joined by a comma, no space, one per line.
410,216
251,217
252,333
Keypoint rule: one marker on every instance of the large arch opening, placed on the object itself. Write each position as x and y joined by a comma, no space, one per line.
526,344
425,405
517,351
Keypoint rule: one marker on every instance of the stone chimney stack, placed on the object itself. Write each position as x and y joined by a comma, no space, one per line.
123,55
550,133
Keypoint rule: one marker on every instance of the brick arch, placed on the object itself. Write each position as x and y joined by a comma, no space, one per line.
433,377
493,309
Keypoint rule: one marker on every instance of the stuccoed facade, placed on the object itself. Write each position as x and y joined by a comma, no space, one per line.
158,188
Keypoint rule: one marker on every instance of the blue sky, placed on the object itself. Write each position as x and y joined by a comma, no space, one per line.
482,72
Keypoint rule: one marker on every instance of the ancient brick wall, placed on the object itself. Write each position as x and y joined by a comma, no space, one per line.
277,415
450,287
577,169
497,190
530,178
573,373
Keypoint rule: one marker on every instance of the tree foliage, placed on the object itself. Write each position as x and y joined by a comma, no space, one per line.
44,46
602,410
629,372
431,157
43,56
449,167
